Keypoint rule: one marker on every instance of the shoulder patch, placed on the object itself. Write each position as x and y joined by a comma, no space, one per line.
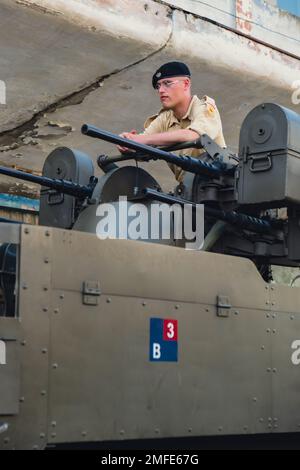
149,120
209,100
210,109
210,105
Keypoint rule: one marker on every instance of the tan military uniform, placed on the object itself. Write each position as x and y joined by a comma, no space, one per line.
202,117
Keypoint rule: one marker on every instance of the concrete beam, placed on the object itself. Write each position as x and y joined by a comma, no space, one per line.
69,66
48,54
260,19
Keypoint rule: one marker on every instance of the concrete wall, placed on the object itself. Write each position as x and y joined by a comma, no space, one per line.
260,19
69,62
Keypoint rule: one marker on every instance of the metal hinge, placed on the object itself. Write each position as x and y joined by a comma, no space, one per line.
223,306
91,292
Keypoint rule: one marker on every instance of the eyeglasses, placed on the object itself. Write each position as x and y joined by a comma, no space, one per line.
166,84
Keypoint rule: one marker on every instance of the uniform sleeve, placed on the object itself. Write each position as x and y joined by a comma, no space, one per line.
206,120
155,125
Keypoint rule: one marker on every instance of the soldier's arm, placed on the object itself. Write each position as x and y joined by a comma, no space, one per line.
155,134
165,138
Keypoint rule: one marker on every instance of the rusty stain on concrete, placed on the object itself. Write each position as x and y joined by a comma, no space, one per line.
244,15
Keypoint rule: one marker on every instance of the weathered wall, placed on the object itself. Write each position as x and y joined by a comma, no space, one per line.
91,61
260,19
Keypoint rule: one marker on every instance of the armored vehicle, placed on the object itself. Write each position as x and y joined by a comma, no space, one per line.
138,341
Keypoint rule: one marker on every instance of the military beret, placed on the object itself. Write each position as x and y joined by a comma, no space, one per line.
171,69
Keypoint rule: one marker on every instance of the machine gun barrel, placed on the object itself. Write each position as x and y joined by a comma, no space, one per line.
244,221
190,164
63,186
105,161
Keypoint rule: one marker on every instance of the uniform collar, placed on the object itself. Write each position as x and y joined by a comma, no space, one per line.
173,118
188,113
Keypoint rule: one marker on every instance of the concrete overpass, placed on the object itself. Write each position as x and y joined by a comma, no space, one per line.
69,62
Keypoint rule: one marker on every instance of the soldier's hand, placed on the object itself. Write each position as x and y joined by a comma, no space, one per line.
126,135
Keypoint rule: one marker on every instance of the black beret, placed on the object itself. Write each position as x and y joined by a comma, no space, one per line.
171,69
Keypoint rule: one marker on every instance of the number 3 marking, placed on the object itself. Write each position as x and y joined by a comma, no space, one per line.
170,332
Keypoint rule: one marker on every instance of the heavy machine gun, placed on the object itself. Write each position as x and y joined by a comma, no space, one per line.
241,193
244,191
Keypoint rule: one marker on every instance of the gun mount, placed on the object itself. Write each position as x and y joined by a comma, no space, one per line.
240,193
67,183
236,190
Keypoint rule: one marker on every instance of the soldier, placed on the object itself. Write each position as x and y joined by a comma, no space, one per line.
183,117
